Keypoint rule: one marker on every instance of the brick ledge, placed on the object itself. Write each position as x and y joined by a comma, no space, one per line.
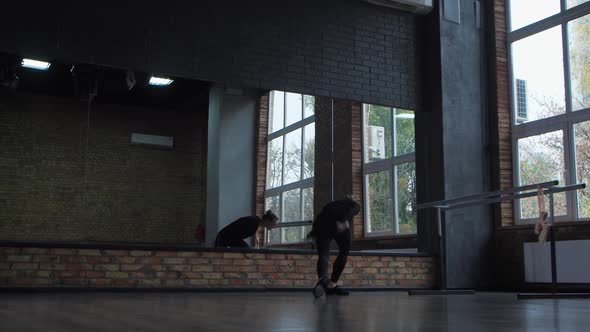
184,247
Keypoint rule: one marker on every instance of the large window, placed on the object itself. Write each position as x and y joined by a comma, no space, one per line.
550,58
290,163
389,171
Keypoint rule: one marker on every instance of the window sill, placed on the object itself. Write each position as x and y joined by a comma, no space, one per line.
388,237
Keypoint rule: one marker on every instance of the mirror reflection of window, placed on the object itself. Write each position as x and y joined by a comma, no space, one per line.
290,163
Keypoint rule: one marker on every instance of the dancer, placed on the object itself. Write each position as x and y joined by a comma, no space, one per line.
333,222
233,235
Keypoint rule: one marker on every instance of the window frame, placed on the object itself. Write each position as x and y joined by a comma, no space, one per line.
387,164
562,122
301,184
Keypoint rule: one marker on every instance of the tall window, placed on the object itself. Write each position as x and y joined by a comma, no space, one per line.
389,171
290,163
550,57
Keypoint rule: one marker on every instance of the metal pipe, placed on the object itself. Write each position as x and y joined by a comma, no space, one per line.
517,196
294,224
488,194
552,240
442,248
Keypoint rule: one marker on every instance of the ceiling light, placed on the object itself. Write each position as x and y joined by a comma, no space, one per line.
35,64
160,81
405,116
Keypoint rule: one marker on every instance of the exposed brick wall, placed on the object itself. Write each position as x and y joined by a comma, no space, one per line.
61,267
357,168
64,178
502,91
261,147
339,48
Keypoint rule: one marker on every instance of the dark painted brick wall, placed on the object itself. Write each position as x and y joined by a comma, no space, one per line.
65,178
339,48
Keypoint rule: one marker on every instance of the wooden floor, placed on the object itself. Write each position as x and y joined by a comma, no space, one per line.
293,311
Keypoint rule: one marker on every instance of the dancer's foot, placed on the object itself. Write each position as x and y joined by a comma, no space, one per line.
336,290
320,288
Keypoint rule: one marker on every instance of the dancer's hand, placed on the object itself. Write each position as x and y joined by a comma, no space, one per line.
341,226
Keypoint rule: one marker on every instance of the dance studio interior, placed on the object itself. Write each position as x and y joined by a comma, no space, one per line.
136,138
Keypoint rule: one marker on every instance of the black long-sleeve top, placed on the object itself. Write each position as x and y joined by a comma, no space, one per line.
239,229
336,211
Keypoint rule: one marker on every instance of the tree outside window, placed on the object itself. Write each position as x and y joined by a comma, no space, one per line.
389,171
550,58
290,163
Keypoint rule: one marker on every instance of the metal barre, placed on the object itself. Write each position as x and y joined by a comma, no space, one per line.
487,195
294,224
492,198
517,196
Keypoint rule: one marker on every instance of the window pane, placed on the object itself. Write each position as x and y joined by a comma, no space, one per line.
307,208
579,46
277,111
274,165
294,108
537,64
273,203
292,212
308,203
379,210
406,198
292,156
308,106
573,3
582,137
308,150
404,132
525,12
541,159
377,133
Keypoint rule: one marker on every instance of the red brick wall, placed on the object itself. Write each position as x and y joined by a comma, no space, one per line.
502,90
357,168
261,146
59,267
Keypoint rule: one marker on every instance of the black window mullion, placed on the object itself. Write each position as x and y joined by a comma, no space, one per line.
392,187
392,174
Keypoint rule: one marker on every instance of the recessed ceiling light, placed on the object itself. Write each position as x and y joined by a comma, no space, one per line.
35,64
160,81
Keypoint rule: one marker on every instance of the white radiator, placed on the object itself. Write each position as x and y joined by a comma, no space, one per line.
573,263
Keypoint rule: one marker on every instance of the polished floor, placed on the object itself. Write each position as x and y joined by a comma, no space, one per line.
289,311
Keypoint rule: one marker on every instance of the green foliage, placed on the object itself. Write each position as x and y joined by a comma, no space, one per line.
294,157
380,204
406,198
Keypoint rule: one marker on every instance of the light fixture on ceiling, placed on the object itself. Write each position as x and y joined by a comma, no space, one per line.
405,116
35,64
160,81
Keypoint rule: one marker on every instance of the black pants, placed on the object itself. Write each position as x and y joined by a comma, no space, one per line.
234,243
343,240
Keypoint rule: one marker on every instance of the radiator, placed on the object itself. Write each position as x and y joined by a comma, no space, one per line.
573,263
